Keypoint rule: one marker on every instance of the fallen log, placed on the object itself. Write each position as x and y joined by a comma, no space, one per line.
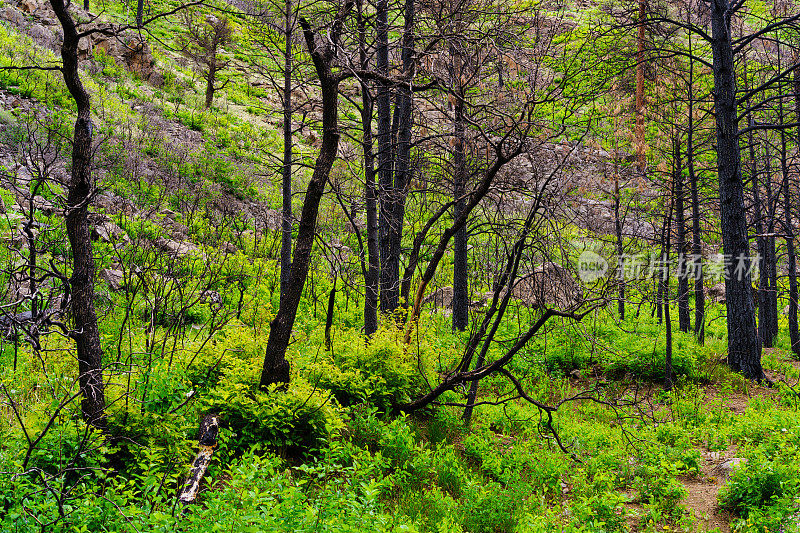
207,441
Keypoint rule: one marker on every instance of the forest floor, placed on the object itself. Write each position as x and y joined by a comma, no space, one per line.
702,490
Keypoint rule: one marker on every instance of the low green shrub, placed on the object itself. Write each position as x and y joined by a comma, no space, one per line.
755,486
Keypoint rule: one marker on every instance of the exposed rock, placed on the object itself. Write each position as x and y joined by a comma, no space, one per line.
126,47
441,297
107,231
210,297
42,36
29,6
105,201
716,293
19,237
272,219
727,468
114,204
548,285
9,324
176,229
228,248
178,248
44,206
84,49
14,16
115,278
156,79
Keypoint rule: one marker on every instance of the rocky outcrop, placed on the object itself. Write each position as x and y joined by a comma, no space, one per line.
114,277
549,285
126,47
440,298
715,293
727,468
176,248
105,230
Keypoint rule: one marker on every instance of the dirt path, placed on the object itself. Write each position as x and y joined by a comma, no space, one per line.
701,500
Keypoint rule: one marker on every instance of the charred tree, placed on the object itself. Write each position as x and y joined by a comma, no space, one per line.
389,263
680,244
80,187
460,266
372,277
203,43
276,367
286,185
697,243
744,346
794,335
403,168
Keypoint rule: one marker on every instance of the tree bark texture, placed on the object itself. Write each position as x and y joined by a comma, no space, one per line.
744,346
86,332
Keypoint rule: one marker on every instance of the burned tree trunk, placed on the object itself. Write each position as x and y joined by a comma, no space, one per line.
372,277
684,320
618,225
389,262
286,185
207,441
794,335
79,190
744,346
276,367
697,250
403,169
460,278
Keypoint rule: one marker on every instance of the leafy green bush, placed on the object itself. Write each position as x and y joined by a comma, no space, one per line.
383,373
297,421
487,508
363,427
450,475
754,486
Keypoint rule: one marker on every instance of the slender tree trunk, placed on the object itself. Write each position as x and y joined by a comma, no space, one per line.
460,266
744,346
329,315
761,247
389,268
684,320
640,87
771,260
660,296
618,231
210,79
697,249
784,162
139,13
276,367
767,289
86,332
370,194
794,335
403,171
668,371
286,186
